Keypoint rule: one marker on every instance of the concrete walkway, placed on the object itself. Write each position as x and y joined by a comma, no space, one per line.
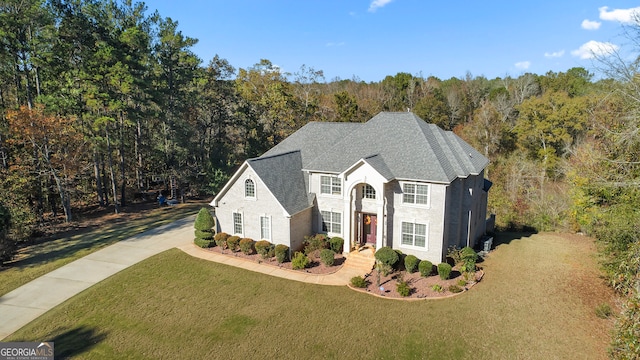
26,303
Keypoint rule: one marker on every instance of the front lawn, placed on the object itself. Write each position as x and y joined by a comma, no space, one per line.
537,301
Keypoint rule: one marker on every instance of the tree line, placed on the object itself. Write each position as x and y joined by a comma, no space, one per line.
100,100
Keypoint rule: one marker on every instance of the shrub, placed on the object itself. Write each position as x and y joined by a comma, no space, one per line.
384,269
453,253
232,242
282,253
462,283
455,289
403,288
315,242
387,256
437,288
425,267
221,239
337,244
299,261
444,270
603,311
359,282
411,263
468,258
246,245
327,256
204,228
264,248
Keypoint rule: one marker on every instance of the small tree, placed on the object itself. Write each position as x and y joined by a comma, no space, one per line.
204,231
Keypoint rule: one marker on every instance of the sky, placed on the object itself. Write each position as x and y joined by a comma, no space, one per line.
370,39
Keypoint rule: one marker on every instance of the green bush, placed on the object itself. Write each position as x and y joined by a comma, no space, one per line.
468,257
299,261
264,248
282,253
8,246
437,288
411,263
232,242
221,239
462,283
359,282
246,246
403,288
387,256
337,244
455,289
453,253
315,242
327,256
384,269
425,267
444,271
204,231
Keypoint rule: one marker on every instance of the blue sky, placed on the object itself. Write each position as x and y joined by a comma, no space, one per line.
370,39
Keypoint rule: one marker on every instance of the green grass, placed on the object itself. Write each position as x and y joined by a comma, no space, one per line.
37,260
176,306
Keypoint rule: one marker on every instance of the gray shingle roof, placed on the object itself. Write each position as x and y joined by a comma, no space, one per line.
398,145
283,176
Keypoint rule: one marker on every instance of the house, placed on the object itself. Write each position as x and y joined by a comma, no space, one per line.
395,181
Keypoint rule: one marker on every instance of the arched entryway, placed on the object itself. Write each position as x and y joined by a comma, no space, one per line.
366,212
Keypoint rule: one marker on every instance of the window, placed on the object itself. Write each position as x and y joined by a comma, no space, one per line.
265,228
415,194
414,235
249,189
237,223
368,192
331,222
330,185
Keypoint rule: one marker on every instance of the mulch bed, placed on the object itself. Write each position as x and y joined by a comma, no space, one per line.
316,266
421,287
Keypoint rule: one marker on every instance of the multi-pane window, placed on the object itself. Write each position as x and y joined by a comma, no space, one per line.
368,192
265,228
249,189
331,222
414,234
330,185
415,194
237,223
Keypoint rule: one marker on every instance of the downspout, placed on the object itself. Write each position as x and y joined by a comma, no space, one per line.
469,229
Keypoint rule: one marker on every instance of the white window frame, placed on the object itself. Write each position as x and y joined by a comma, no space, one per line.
253,189
413,234
265,227
334,187
406,193
368,191
330,225
236,224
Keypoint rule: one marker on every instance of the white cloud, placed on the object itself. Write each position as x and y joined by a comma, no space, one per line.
375,4
590,25
523,65
594,48
555,54
620,15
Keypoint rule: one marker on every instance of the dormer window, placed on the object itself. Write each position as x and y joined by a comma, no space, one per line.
249,189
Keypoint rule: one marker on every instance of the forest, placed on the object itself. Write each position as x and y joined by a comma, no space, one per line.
102,101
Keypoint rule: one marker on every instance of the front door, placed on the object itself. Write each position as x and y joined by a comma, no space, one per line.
369,228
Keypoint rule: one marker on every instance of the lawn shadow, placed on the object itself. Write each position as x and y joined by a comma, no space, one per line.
75,341
506,237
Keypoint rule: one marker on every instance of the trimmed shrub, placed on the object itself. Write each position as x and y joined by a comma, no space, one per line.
411,263
204,228
455,289
232,242
403,288
444,270
282,253
315,242
337,244
299,261
327,256
387,256
246,246
221,239
359,282
264,248
425,267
